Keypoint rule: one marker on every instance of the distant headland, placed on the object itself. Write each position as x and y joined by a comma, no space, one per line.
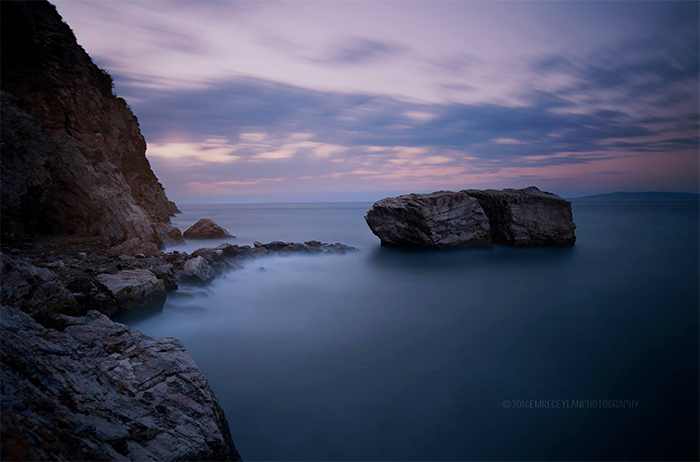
652,196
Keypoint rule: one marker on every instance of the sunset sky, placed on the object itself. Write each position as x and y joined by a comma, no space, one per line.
357,100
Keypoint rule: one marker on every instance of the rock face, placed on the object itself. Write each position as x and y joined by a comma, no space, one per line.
137,288
90,389
205,229
73,157
441,219
522,217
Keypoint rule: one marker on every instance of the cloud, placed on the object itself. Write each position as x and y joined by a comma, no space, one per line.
360,51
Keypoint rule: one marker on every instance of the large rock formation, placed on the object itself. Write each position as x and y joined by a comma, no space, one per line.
443,219
522,217
73,158
90,389
133,289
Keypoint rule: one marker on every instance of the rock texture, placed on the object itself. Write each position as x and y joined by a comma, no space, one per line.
205,229
518,217
90,389
73,157
441,219
132,289
522,217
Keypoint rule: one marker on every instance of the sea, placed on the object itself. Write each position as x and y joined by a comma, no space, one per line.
582,352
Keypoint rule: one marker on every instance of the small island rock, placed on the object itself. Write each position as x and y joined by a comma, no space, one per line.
205,229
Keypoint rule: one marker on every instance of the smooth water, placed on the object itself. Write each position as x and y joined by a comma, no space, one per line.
407,355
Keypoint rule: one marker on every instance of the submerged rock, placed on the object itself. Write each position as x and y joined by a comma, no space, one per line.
441,219
91,389
137,288
205,229
528,216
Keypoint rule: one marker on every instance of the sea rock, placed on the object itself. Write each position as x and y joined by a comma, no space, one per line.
517,217
131,289
73,157
90,389
205,229
441,219
209,254
522,217
33,289
196,271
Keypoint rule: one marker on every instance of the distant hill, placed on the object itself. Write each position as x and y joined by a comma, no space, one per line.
624,196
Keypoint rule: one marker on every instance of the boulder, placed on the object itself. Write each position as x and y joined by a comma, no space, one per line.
132,247
205,229
90,389
210,255
522,217
196,271
441,219
518,217
131,289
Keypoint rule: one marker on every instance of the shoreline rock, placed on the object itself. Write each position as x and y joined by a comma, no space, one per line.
205,229
90,389
445,219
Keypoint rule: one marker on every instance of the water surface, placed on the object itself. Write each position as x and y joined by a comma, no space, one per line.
407,355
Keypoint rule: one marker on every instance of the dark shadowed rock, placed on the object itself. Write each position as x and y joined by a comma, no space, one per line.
528,216
131,289
205,229
33,289
132,247
73,157
440,220
91,389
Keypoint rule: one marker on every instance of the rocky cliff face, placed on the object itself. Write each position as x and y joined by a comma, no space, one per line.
517,217
73,157
90,389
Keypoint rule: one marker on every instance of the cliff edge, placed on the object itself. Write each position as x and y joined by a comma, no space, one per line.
73,157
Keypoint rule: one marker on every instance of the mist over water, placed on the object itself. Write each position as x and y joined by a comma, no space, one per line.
386,354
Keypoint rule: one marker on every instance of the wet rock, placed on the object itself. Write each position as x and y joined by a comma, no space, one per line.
210,255
259,251
522,217
138,288
90,389
313,243
81,256
205,229
196,271
441,219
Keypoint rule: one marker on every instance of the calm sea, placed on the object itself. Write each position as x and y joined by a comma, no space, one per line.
588,352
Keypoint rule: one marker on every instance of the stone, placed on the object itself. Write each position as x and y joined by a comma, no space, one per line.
259,251
210,255
132,247
33,289
205,229
132,289
523,217
56,265
313,243
73,157
81,256
196,271
442,219
90,389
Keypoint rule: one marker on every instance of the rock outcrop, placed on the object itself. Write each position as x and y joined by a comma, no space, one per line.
441,219
133,289
522,217
73,157
517,217
205,229
90,389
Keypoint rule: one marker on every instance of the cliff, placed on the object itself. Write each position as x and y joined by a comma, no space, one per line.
73,157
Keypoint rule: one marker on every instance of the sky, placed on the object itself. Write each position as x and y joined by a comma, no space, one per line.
243,101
